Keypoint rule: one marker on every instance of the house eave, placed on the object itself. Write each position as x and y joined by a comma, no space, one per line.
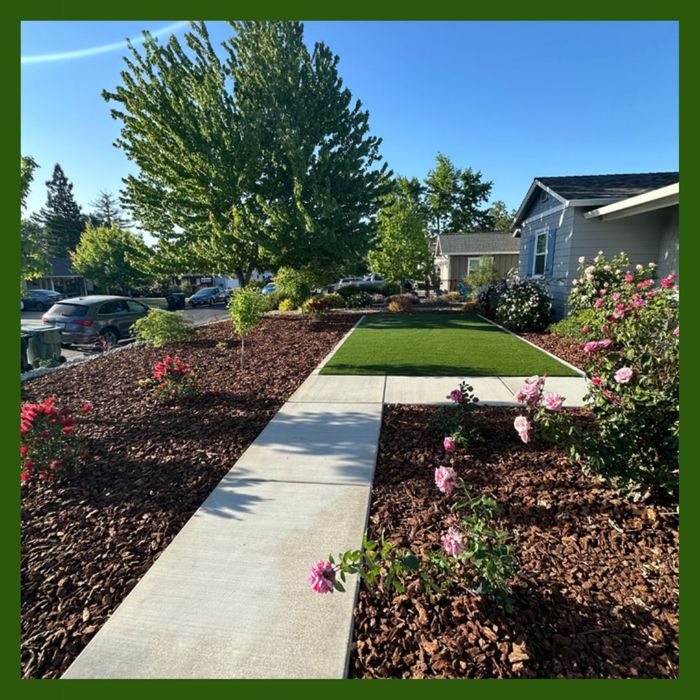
639,204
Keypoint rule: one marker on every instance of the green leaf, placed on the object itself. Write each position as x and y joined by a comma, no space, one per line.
338,586
411,562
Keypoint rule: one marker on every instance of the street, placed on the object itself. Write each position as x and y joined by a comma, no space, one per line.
199,317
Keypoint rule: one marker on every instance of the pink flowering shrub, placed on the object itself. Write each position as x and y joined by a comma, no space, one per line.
633,373
48,445
473,555
171,380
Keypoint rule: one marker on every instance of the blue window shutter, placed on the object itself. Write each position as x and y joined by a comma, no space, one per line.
530,241
549,263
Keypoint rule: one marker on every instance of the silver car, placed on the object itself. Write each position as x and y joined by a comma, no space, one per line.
83,320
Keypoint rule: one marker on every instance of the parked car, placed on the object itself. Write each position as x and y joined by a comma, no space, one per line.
83,320
40,299
348,281
374,279
208,296
269,288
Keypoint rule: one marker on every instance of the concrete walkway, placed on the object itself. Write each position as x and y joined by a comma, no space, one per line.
228,598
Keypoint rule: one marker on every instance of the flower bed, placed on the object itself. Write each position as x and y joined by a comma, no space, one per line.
88,538
597,591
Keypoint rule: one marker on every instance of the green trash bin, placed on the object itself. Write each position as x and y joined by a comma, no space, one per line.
44,344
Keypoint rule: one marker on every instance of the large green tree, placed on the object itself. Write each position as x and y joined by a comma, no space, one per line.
114,259
61,216
455,198
258,161
500,217
401,250
27,167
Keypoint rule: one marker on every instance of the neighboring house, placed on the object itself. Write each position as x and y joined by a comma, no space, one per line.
458,254
63,279
564,218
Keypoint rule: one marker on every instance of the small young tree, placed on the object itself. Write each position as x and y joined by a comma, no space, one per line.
245,309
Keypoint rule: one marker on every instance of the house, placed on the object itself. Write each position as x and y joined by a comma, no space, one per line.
564,218
63,279
458,254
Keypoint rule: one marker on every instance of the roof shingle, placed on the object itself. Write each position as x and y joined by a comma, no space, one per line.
614,186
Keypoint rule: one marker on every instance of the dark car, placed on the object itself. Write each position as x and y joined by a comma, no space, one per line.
39,299
208,296
83,320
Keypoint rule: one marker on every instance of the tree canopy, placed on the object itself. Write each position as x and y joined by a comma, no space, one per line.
61,216
501,218
259,160
34,255
114,259
106,211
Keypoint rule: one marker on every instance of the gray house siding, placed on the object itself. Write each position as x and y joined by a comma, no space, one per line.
538,206
557,273
668,245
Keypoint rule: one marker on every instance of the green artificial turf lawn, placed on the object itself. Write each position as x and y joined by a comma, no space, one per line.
438,344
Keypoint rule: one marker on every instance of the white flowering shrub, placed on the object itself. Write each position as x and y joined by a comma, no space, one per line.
525,305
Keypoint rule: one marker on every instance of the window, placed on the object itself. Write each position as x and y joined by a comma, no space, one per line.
540,256
113,307
136,307
473,263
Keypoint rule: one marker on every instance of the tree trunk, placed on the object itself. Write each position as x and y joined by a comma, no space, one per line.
243,277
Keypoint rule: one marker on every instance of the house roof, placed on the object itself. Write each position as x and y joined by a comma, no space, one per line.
614,186
61,267
476,243
593,189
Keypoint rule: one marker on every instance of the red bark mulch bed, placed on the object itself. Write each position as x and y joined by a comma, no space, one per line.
88,539
569,350
597,594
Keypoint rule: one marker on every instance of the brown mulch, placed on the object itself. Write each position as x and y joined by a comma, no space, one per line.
597,594
88,539
569,350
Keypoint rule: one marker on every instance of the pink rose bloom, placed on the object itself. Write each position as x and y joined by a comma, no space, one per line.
582,260
585,329
629,277
86,407
647,283
616,295
598,303
602,292
623,375
520,397
322,576
456,396
639,267
445,479
553,402
675,331
452,542
449,444
522,425
589,271
596,381
607,268
612,398
667,282
652,265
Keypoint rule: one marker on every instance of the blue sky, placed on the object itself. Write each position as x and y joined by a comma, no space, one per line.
512,99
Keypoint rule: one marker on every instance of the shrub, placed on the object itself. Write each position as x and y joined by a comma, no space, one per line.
400,304
336,300
287,305
245,308
390,288
317,306
48,446
484,274
369,288
358,300
579,325
525,305
171,380
294,284
453,296
348,291
256,284
471,307
436,302
271,301
489,296
158,327
632,366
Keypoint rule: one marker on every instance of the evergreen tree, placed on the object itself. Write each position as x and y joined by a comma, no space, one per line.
500,218
106,212
472,194
27,167
34,259
61,216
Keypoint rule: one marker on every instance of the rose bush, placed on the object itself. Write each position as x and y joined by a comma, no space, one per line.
633,388
48,445
171,380
525,305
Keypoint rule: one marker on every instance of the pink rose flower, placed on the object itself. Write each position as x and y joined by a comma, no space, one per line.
456,396
623,375
582,260
616,295
322,576
585,329
667,282
445,479
675,331
452,542
598,303
86,407
647,283
596,381
522,425
589,271
639,268
629,277
553,402
449,444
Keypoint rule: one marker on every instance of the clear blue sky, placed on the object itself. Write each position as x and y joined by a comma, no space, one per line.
512,99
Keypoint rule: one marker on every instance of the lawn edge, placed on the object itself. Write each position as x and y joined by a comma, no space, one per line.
579,372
